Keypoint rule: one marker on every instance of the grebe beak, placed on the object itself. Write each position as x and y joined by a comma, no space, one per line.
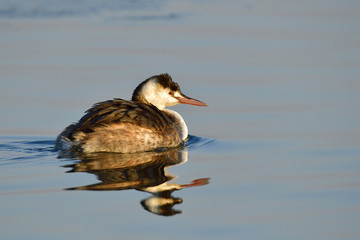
186,100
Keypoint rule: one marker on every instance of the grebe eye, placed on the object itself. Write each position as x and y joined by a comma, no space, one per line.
171,93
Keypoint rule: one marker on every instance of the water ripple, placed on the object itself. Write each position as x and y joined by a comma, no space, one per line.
28,149
24,149
195,142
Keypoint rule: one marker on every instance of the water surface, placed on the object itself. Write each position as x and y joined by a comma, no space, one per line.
274,156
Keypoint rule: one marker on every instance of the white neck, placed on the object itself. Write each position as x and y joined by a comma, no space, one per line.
179,123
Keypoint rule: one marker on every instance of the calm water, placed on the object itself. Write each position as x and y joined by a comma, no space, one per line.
276,155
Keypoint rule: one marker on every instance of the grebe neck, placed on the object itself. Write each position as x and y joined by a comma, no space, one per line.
178,121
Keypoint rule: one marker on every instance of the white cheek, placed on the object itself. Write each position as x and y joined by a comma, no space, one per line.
173,101
177,94
168,99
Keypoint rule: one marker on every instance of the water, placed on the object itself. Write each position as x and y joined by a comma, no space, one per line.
274,156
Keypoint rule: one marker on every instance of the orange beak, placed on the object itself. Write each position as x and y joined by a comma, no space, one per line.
191,101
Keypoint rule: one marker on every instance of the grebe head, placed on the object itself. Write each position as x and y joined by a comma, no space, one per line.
162,92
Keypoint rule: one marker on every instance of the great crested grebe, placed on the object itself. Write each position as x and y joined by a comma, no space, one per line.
142,124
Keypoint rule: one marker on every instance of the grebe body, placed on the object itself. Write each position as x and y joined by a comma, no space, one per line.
142,124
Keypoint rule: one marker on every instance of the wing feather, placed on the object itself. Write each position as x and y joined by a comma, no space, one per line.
119,110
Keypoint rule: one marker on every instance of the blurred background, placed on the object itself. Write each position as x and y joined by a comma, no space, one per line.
281,79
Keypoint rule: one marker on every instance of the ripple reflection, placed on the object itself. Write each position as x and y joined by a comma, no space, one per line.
146,171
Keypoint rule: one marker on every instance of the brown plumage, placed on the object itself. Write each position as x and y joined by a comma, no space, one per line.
131,126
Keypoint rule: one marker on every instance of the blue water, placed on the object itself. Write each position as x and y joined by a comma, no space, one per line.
276,155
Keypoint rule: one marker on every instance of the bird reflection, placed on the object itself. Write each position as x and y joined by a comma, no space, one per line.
146,171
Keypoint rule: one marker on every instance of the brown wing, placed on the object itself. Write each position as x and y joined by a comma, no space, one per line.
119,110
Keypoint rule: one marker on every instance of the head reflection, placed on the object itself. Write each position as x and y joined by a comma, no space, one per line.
145,171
